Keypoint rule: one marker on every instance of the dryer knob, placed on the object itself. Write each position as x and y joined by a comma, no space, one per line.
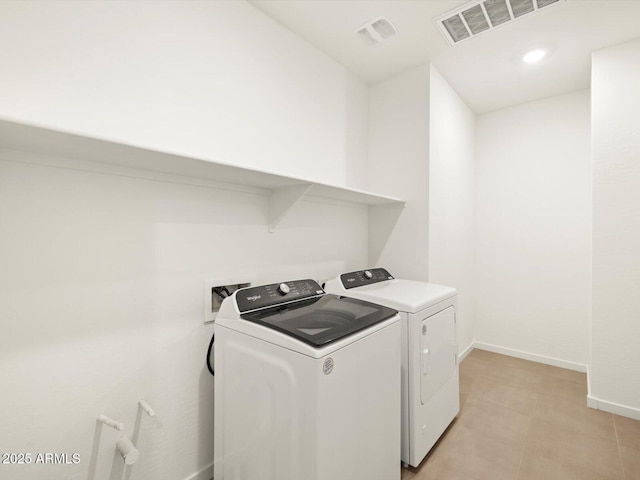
368,275
283,289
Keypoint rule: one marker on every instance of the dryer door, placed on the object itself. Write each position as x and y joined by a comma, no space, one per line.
438,357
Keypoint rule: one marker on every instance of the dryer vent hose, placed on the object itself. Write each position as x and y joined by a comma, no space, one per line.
223,293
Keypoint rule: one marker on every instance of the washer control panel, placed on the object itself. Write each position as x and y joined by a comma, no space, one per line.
364,277
254,298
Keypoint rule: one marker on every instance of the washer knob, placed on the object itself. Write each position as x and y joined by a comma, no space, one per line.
368,275
283,289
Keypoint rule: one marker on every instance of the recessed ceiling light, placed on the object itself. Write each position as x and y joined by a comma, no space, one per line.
534,56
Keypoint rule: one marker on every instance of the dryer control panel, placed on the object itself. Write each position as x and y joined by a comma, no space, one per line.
364,277
254,298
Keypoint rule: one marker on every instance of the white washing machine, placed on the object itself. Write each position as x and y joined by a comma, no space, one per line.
430,383
307,386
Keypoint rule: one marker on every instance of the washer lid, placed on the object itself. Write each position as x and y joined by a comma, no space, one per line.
404,295
321,320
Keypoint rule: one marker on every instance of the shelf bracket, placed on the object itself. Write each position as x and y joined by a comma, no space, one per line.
382,221
282,200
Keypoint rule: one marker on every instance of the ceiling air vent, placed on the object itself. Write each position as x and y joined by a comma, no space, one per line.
480,16
376,31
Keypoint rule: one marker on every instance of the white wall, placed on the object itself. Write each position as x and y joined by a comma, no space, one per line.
533,267
101,304
101,274
179,77
615,355
452,199
398,165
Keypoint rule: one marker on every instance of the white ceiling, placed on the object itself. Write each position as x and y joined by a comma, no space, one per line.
485,70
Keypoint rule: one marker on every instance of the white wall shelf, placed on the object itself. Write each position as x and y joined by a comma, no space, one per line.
284,191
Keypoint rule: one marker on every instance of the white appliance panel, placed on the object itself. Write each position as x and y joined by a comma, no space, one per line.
283,418
409,296
358,423
404,387
257,406
430,418
430,380
438,353
429,421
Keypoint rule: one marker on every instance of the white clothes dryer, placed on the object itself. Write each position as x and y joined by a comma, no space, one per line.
430,379
307,386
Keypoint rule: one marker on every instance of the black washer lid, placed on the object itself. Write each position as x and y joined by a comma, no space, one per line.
321,320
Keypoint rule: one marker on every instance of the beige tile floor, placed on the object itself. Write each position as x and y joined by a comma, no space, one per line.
522,420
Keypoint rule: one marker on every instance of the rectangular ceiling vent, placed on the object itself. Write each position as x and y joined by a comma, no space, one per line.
480,16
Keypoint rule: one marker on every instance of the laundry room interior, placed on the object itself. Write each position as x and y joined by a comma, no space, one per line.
153,150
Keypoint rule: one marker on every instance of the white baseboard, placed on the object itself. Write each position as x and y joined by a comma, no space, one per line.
205,474
592,402
556,362
465,352
611,407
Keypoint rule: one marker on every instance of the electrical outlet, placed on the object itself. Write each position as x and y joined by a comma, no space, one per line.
212,301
